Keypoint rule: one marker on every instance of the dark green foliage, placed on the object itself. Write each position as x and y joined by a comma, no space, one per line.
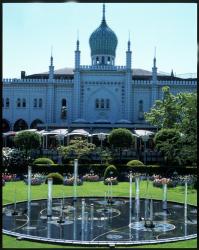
57,178
135,163
110,171
43,160
120,138
27,140
168,141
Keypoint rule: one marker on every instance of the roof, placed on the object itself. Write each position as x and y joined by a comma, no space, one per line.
137,74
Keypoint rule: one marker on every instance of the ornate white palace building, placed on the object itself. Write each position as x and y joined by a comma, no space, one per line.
101,95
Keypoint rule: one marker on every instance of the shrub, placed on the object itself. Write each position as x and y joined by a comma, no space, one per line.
112,180
110,171
43,160
135,163
57,178
3,182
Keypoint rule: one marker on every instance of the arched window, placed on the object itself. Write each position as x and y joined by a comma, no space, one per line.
40,103
108,60
97,103
107,103
97,60
7,102
102,103
24,103
140,111
18,102
63,102
102,59
35,102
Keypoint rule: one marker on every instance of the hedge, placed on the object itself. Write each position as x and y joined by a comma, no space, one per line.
43,160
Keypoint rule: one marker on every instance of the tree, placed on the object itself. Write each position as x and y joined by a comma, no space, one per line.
121,138
77,148
165,112
27,140
179,112
168,141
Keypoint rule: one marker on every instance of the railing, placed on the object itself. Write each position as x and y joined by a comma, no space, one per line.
31,80
102,67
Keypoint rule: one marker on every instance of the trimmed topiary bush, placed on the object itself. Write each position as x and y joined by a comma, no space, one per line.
135,163
43,160
110,171
57,178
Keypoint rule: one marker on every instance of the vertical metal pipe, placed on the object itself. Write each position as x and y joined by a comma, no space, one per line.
49,205
75,179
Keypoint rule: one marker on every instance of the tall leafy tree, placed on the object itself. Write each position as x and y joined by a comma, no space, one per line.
121,138
77,148
27,140
179,112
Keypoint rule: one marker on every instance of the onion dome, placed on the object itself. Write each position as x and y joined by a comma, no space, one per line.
103,40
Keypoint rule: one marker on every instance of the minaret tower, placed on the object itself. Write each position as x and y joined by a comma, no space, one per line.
77,101
128,54
51,67
77,54
128,85
154,89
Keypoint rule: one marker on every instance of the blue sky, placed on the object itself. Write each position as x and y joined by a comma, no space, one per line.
29,31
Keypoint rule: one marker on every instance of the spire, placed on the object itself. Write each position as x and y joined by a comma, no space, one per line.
51,57
154,59
77,40
172,74
129,43
103,14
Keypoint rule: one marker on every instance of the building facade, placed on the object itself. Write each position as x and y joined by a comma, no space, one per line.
100,95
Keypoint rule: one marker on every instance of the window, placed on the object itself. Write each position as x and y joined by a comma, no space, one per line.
35,103
107,103
2,102
140,111
102,59
18,102
24,103
63,102
40,103
102,103
97,60
97,103
7,102
108,60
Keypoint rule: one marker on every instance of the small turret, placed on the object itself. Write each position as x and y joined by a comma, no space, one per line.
128,54
51,67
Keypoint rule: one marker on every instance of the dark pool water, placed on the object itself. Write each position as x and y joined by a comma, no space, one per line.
110,222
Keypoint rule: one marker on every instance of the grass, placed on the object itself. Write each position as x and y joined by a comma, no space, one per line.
92,189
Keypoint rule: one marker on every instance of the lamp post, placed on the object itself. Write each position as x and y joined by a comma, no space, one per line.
101,137
145,138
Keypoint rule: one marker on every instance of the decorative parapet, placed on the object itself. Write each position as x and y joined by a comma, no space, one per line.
37,81
102,67
162,83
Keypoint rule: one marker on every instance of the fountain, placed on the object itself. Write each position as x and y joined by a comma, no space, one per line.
185,201
75,180
100,222
49,205
29,183
83,218
15,203
164,200
61,216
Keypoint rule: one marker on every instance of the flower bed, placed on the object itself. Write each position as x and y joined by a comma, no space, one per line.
110,180
10,177
158,182
91,177
36,179
70,181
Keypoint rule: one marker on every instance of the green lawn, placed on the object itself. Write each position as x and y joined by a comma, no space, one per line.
92,189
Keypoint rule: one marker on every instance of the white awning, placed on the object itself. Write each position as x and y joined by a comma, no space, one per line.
142,132
79,132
